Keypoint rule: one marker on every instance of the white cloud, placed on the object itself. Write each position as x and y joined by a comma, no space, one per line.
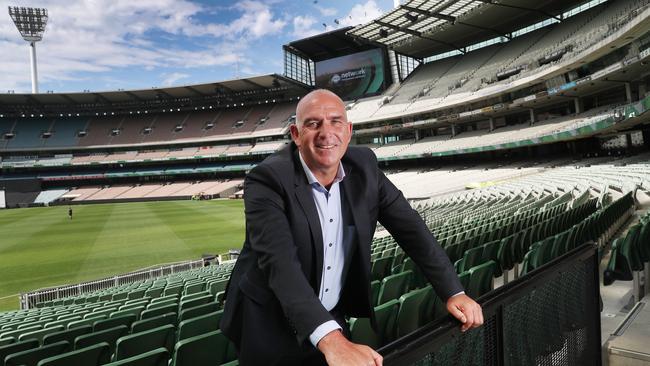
305,26
172,78
361,13
326,12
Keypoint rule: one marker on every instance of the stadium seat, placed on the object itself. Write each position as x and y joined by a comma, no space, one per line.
114,322
6,341
67,335
206,349
155,322
96,355
150,313
31,357
381,268
198,310
481,279
361,330
156,357
410,311
199,325
134,344
109,336
393,286
39,334
16,347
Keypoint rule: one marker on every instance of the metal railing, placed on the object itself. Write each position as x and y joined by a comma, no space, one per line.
30,299
550,316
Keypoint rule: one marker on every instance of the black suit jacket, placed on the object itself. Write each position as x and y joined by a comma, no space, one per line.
274,285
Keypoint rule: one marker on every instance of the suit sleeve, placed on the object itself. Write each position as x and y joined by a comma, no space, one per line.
271,239
412,234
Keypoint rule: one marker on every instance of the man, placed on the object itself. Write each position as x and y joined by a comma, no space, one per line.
311,212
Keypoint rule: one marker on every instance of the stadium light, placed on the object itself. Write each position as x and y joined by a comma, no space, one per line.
31,25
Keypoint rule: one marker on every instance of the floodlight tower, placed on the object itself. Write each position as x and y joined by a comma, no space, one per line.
31,25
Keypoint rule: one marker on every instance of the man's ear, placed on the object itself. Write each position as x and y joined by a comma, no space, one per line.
295,134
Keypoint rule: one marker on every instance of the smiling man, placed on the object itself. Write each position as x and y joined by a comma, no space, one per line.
311,212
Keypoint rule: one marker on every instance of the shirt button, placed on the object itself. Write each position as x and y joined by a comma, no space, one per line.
331,220
330,244
328,267
327,289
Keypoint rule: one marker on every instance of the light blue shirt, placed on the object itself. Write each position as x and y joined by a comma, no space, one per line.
328,205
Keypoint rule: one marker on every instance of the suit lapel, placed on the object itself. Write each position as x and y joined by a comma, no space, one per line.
306,199
354,198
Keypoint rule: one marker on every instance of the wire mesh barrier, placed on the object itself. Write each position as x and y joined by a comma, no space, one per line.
550,316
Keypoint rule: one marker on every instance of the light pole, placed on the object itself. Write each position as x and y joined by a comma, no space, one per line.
31,25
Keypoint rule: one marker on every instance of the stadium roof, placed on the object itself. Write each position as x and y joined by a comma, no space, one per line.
228,90
422,28
329,45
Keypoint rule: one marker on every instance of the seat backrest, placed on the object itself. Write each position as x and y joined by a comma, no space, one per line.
16,347
67,335
155,322
198,310
157,357
31,357
206,349
410,311
133,344
103,324
393,286
199,325
95,355
385,316
109,336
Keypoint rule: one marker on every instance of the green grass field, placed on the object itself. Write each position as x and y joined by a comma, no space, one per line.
41,247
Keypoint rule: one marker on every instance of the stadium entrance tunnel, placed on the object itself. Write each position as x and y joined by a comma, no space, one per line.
550,316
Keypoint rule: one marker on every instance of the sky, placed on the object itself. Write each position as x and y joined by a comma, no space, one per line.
101,45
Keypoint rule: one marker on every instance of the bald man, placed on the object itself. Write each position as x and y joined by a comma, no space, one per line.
311,213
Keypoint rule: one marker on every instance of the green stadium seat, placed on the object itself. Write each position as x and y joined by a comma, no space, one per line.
393,286
217,286
199,325
39,334
16,333
417,280
157,357
194,288
114,322
81,323
98,354
150,313
135,311
481,279
471,258
109,336
195,302
67,335
385,315
381,268
154,292
409,316
134,344
31,357
6,341
198,310
206,349
16,347
155,322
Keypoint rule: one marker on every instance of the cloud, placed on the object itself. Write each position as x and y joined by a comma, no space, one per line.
305,26
172,78
326,12
361,13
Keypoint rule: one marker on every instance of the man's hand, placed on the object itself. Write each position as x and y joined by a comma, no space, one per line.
339,351
468,311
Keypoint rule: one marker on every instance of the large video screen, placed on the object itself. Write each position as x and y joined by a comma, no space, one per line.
353,76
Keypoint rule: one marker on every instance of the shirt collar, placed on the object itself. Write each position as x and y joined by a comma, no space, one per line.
311,178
